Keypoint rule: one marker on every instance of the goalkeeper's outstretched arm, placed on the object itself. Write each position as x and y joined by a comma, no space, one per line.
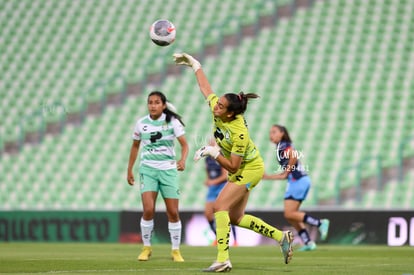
203,83
188,60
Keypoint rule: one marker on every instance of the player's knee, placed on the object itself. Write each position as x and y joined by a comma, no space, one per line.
289,215
148,214
173,215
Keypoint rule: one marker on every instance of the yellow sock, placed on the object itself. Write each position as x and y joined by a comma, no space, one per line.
223,235
261,227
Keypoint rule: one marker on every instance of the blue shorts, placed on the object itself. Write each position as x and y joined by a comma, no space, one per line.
297,189
213,191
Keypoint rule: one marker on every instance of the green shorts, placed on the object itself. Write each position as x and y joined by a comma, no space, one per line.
163,181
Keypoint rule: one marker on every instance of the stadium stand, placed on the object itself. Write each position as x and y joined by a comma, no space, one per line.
395,195
337,75
58,51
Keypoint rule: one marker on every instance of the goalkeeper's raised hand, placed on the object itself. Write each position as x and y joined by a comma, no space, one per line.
186,59
205,151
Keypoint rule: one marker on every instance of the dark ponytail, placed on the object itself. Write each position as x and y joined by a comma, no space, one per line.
169,114
238,102
167,111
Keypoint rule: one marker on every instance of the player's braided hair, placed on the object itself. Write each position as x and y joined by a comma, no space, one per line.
169,113
238,102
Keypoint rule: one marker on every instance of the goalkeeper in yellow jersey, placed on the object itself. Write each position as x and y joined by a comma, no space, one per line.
236,153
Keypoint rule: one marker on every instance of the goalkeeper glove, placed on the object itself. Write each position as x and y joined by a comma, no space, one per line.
186,59
213,151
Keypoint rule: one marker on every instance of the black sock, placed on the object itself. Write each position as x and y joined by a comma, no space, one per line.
304,235
311,220
233,229
212,226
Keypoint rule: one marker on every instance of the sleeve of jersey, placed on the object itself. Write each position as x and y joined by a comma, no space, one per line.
212,101
136,135
285,146
178,128
240,142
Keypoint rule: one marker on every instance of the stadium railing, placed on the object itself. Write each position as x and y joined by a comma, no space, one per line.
401,155
359,170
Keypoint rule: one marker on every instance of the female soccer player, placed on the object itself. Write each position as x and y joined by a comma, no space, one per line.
155,133
240,157
297,189
216,180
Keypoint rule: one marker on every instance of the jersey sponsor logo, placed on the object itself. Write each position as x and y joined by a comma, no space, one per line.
218,134
153,150
155,136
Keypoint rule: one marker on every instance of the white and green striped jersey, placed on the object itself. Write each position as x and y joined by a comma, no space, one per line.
157,141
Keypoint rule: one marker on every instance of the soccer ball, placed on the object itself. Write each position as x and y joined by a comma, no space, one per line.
162,32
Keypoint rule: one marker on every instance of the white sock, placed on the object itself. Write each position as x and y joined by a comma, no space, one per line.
175,234
147,227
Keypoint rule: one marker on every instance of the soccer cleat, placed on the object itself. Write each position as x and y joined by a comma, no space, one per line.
176,255
324,228
286,246
308,247
219,267
145,254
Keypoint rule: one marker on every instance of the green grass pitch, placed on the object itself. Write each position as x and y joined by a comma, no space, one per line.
33,258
